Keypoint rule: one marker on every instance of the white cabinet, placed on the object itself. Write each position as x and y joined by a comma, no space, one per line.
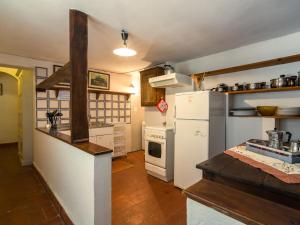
101,131
200,214
117,138
93,139
105,140
122,139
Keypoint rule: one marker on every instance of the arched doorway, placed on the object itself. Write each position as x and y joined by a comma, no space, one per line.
9,108
16,114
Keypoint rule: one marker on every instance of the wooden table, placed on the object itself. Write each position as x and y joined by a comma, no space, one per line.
246,193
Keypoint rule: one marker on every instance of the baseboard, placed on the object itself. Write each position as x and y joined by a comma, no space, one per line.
57,205
10,143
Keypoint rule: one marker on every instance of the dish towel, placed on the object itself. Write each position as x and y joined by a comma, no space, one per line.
286,172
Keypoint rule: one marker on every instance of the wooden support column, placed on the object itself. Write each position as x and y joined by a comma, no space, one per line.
79,74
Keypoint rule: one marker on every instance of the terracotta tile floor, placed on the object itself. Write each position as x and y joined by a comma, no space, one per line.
140,199
23,199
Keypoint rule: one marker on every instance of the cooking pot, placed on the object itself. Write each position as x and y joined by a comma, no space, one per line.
282,81
291,81
168,69
253,86
274,83
235,87
221,87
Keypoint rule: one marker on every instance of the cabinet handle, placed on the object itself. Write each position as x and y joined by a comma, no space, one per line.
198,132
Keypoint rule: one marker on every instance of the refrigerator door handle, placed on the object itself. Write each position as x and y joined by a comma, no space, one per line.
174,126
197,133
174,111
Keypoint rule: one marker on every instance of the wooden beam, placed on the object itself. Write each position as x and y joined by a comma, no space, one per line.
61,75
79,75
257,65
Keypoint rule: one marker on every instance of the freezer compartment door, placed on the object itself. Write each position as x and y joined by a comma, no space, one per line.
192,105
191,148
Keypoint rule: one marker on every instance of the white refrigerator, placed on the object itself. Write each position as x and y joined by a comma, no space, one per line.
199,133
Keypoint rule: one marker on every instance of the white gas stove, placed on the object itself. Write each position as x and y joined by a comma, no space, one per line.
159,152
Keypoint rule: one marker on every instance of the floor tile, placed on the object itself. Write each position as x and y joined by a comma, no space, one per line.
23,198
140,199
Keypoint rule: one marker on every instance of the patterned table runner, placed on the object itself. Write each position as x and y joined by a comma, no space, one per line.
286,172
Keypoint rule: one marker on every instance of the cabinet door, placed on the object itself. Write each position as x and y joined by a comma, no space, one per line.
198,213
191,148
93,139
109,141
149,95
105,141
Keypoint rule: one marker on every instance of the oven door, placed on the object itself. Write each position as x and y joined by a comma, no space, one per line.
155,152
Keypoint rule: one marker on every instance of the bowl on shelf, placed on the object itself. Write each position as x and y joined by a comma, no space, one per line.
267,110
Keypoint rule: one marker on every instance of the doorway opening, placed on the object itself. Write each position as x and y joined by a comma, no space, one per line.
16,114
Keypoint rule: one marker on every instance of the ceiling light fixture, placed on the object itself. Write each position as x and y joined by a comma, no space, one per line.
124,51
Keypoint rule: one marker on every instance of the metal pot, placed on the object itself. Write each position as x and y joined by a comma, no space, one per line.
274,83
262,85
222,87
258,85
282,81
291,81
277,137
247,86
236,87
168,69
294,146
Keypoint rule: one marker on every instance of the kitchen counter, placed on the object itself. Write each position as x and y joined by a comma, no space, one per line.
87,147
240,191
65,127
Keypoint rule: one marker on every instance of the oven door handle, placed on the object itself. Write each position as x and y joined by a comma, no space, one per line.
156,141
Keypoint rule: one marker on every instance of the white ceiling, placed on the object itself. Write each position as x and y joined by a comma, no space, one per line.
160,30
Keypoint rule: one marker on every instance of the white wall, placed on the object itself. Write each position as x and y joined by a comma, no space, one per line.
26,115
9,109
137,112
80,181
274,48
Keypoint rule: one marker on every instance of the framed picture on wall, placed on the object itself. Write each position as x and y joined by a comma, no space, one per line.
99,80
55,68
1,89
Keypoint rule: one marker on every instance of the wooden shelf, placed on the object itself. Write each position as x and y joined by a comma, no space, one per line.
57,88
63,74
275,117
256,65
297,88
